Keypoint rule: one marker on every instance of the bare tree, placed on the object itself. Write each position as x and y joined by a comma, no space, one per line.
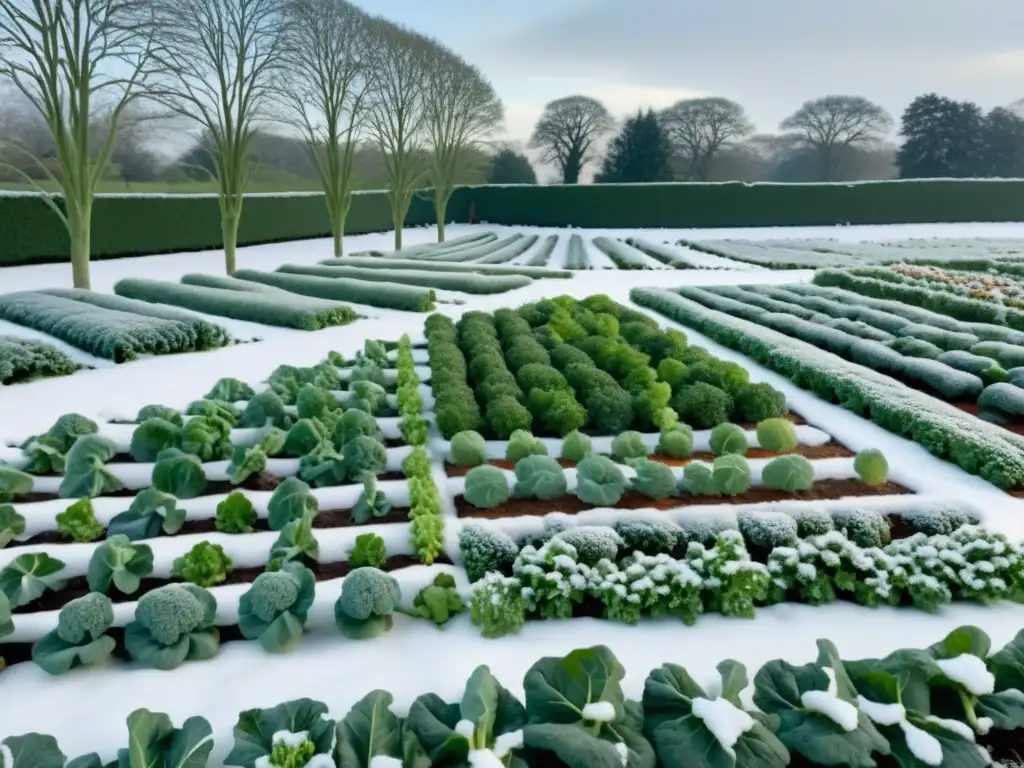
397,114
461,110
832,123
566,133
324,86
218,61
75,60
699,128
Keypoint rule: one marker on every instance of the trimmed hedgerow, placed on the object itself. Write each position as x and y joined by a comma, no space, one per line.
385,295
449,281
455,406
24,360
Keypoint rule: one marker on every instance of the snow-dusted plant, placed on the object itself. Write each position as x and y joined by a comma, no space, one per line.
497,605
733,582
812,521
654,585
920,565
652,537
863,527
798,573
552,578
486,549
593,543
291,735
989,567
765,530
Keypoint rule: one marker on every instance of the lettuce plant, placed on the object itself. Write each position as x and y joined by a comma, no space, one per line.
417,463
628,445
44,455
369,550
683,721
486,487
119,563
79,639
204,565
483,729
179,474
871,466
438,601
235,514
265,408
213,409
653,479
788,473
173,624
575,446
151,513
14,483
297,542
259,731
315,402
78,522
303,436
85,471
522,444
151,437
323,466
728,439
207,437
28,576
414,430
368,598
291,500
354,423
778,435
159,412
468,449
274,609
539,477
599,481
371,503
12,524
230,390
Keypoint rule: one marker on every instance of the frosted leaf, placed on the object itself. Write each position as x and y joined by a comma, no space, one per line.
922,744
842,713
960,729
970,672
725,721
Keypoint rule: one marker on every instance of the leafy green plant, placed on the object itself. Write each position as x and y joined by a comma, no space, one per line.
173,624
731,475
368,598
235,514
71,426
699,479
575,446
788,473
315,402
179,474
539,477
371,502
265,408
79,639
230,391
28,576
291,500
159,412
414,430
206,437
151,513
85,471
369,551
364,455
151,437
323,466
78,522
653,479
599,481
702,405
486,487
676,441
213,409
728,439
12,524
522,444
44,455
439,601
204,565
274,609
258,731
778,435
468,449
871,466
14,483
628,445
119,563
303,436
297,542
497,605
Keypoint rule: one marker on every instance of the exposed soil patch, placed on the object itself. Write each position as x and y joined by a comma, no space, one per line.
325,518
830,450
821,491
14,653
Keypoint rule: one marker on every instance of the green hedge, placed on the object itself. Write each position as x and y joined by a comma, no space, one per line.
130,225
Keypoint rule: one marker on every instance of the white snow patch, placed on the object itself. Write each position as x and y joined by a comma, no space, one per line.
465,728
970,671
506,742
842,713
922,744
321,761
882,714
623,751
599,711
960,729
984,725
484,758
384,761
289,739
725,721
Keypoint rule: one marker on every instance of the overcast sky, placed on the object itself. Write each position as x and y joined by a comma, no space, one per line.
769,55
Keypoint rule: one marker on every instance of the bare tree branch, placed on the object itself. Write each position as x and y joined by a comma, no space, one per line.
566,133
73,60
699,128
462,109
833,122
219,61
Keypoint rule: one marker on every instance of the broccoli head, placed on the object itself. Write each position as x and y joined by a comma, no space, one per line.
169,612
369,592
273,592
86,617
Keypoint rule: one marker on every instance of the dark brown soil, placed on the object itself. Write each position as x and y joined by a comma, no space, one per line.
1017,427
831,450
14,653
824,490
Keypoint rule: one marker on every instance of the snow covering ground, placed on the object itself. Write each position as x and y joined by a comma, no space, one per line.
416,657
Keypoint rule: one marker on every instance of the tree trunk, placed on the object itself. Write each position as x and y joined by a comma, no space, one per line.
441,211
79,236
398,220
338,230
229,230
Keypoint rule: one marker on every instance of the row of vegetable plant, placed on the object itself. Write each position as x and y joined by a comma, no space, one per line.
23,360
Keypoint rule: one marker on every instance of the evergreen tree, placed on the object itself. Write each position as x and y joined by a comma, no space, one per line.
639,153
942,138
1004,144
510,167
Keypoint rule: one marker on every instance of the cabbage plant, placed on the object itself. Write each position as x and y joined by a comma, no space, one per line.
12,524
731,474
151,513
291,500
729,439
179,474
85,471
599,481
152,436
788,473
653,479
173,624
522,444
486,487
119,563
28,576
575,446
468,449
871,466
13,483
628,445
206,437
539,477
79,639
274,609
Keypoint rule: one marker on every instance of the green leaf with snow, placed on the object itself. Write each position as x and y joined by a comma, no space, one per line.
370,729
679,717
255,729
1007,664
12,524
781,689
28,576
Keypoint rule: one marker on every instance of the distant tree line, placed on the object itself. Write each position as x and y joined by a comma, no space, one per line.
833,138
